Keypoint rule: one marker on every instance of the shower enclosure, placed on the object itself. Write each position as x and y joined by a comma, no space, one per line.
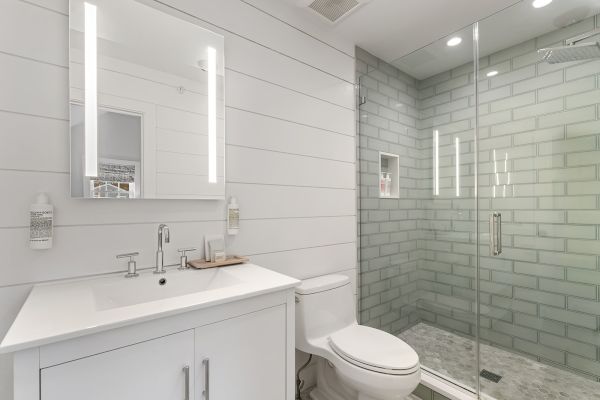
479,203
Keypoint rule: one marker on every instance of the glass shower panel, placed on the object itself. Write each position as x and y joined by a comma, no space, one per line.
418,243
539,193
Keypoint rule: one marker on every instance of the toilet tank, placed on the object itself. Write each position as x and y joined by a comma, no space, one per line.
323,305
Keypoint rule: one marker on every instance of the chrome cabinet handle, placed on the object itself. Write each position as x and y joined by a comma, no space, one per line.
206,392
186,372
496,234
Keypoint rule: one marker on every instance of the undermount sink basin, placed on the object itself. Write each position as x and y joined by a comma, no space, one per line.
152,287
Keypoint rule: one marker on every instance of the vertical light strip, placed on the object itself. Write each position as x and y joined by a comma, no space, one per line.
91,91
457,146
436,163
212,115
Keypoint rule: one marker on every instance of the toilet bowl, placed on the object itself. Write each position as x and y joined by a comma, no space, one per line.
357,362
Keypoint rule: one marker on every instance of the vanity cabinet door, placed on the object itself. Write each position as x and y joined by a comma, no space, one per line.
243,357
149,370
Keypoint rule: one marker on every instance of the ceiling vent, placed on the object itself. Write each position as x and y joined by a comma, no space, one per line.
334,10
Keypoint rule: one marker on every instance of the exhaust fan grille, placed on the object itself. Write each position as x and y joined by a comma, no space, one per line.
333,10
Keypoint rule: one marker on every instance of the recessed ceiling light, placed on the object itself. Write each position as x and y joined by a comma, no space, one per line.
540,3
455,41
492,73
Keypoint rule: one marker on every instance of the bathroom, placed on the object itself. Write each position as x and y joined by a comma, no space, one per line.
411,190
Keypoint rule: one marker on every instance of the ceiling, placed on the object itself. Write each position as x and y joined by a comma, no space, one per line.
391,29
502,30
412,34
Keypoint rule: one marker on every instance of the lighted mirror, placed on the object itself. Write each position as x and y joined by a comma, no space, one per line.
147,103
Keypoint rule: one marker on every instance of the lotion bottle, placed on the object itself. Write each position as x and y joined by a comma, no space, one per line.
41,223
233,217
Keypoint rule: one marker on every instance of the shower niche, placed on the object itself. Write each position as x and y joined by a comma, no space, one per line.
389,172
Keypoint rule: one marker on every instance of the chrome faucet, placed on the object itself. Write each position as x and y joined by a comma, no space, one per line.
160,262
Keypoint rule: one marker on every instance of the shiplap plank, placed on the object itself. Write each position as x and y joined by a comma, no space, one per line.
272,235
257,131
259,166
262,97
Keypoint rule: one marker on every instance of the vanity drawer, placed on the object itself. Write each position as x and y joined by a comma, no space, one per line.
148,370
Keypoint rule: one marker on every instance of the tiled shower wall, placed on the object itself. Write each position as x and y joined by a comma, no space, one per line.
540,122
388,227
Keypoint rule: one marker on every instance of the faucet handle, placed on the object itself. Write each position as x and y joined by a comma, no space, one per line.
183,259
130,255
131,265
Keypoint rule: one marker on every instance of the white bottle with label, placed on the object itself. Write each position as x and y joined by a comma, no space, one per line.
41,216
233,217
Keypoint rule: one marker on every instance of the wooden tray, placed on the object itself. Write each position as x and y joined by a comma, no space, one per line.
202,264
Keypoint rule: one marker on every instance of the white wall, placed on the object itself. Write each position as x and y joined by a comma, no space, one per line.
290,155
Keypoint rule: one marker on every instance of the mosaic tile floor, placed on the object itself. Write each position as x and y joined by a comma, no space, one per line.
522,379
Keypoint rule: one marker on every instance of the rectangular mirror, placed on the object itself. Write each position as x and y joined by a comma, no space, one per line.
147,104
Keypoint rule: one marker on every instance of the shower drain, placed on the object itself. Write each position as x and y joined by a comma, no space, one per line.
490,376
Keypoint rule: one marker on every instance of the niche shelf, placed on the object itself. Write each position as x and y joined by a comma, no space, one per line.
389,165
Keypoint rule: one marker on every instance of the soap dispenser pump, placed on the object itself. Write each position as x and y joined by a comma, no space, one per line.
233,217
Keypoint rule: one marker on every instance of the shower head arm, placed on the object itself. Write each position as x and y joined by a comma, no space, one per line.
584,36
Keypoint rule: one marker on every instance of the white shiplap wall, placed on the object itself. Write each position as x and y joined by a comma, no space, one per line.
290,154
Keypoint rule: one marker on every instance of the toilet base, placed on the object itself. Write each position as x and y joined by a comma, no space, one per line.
330,387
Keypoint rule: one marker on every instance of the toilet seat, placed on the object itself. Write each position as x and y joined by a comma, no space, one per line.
374,350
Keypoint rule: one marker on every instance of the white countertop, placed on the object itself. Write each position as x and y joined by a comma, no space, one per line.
66,310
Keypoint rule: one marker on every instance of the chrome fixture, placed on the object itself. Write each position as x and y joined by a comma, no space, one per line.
131,265
573,50
160,262
183,260
496,234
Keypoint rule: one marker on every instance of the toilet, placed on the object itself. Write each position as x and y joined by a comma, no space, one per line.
356,362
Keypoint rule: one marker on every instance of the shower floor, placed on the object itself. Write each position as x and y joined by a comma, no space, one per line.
522,378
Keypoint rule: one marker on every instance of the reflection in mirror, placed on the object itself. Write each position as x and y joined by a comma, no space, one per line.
147,104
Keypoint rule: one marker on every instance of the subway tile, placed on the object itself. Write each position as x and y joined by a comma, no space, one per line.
534,242
567,260
536,296
568,117
570,317
522,74
545,325
583,364
584,217
583,99
568,288
513,102
584,158
565,89
583,246
568,345
568,203
581,70
567,174
583,129
546,80
581,275
567,146
568,231
541,270
540,350
547,107
584,335
586,306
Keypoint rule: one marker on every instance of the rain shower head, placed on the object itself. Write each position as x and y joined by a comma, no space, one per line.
574,52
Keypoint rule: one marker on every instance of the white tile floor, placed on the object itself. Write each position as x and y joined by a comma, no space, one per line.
522,378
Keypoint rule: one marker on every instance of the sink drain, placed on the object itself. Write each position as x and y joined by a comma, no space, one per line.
162,281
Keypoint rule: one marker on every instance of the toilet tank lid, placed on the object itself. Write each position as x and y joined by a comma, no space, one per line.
322,283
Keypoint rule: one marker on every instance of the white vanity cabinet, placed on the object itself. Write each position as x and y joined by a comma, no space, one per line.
238,347
148,370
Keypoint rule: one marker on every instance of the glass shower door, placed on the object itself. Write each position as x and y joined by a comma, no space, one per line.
539,193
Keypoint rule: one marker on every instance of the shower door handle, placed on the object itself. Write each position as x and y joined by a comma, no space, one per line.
496,234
